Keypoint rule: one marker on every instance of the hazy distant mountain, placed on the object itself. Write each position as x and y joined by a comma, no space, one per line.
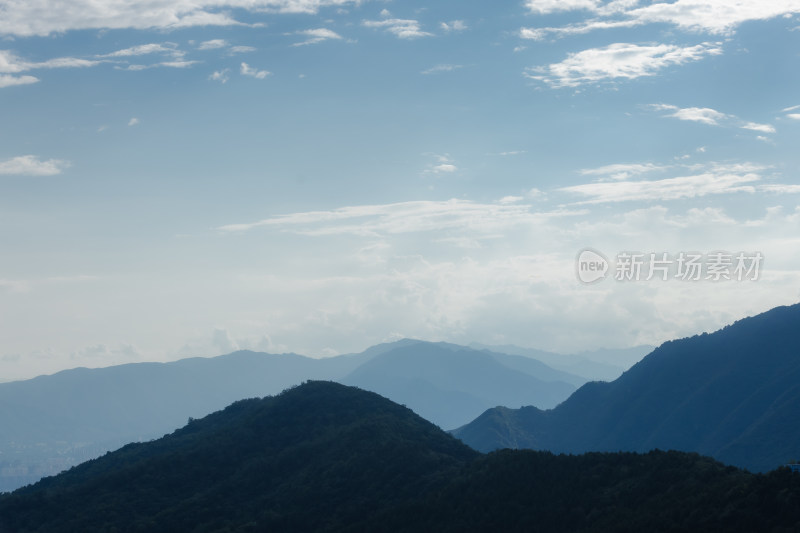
52,422
325,457
596,365
733,394
450,385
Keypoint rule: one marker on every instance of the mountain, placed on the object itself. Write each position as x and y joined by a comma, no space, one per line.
326,457
733,394
595,365
53,422
451,385
50,423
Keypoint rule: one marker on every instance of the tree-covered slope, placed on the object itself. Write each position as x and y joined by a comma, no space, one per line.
325,457
733,394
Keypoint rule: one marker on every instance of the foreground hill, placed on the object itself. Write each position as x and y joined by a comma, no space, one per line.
325,457
53,422
733,394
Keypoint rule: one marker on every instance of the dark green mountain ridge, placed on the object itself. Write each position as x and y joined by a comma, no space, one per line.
733,394
326,457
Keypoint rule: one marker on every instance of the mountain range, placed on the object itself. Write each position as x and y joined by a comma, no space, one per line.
326,457
50,423
733,394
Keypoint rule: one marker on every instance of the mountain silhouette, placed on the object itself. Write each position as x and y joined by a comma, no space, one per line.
50,423
733,394
451,385
326,457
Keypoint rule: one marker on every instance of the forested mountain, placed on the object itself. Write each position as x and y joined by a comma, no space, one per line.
326,457
733,394
50,423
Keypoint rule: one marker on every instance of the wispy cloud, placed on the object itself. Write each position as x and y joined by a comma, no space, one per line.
213,44
622,171
619,61
441,68
7,80
716,17
712,16
41,17
705,115
178,63
317,35
539,34
402,28
713,178
711,117
442,164
544,7
133,122
31,165
146,49
755,126
11,64
402,217
220,76
241,49
247,70
454,26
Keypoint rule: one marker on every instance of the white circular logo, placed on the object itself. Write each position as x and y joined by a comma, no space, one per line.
591,266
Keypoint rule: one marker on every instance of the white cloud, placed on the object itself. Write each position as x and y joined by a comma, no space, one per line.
618,61
792,108
10,81
403,217
714,182
454,25
247,70
705,115
10,63
146,49
510,199
708,16
402,28
711,117
43,17
133,122
445,167
441,68
622,171
220,76
213,44
169,64
763,128
543,7
31,165
781,188
539,34
241,49
712,16
317,35
794,116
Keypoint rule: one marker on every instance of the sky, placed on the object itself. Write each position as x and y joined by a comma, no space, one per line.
187,178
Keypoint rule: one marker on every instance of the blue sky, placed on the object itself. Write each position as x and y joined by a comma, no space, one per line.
188,178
